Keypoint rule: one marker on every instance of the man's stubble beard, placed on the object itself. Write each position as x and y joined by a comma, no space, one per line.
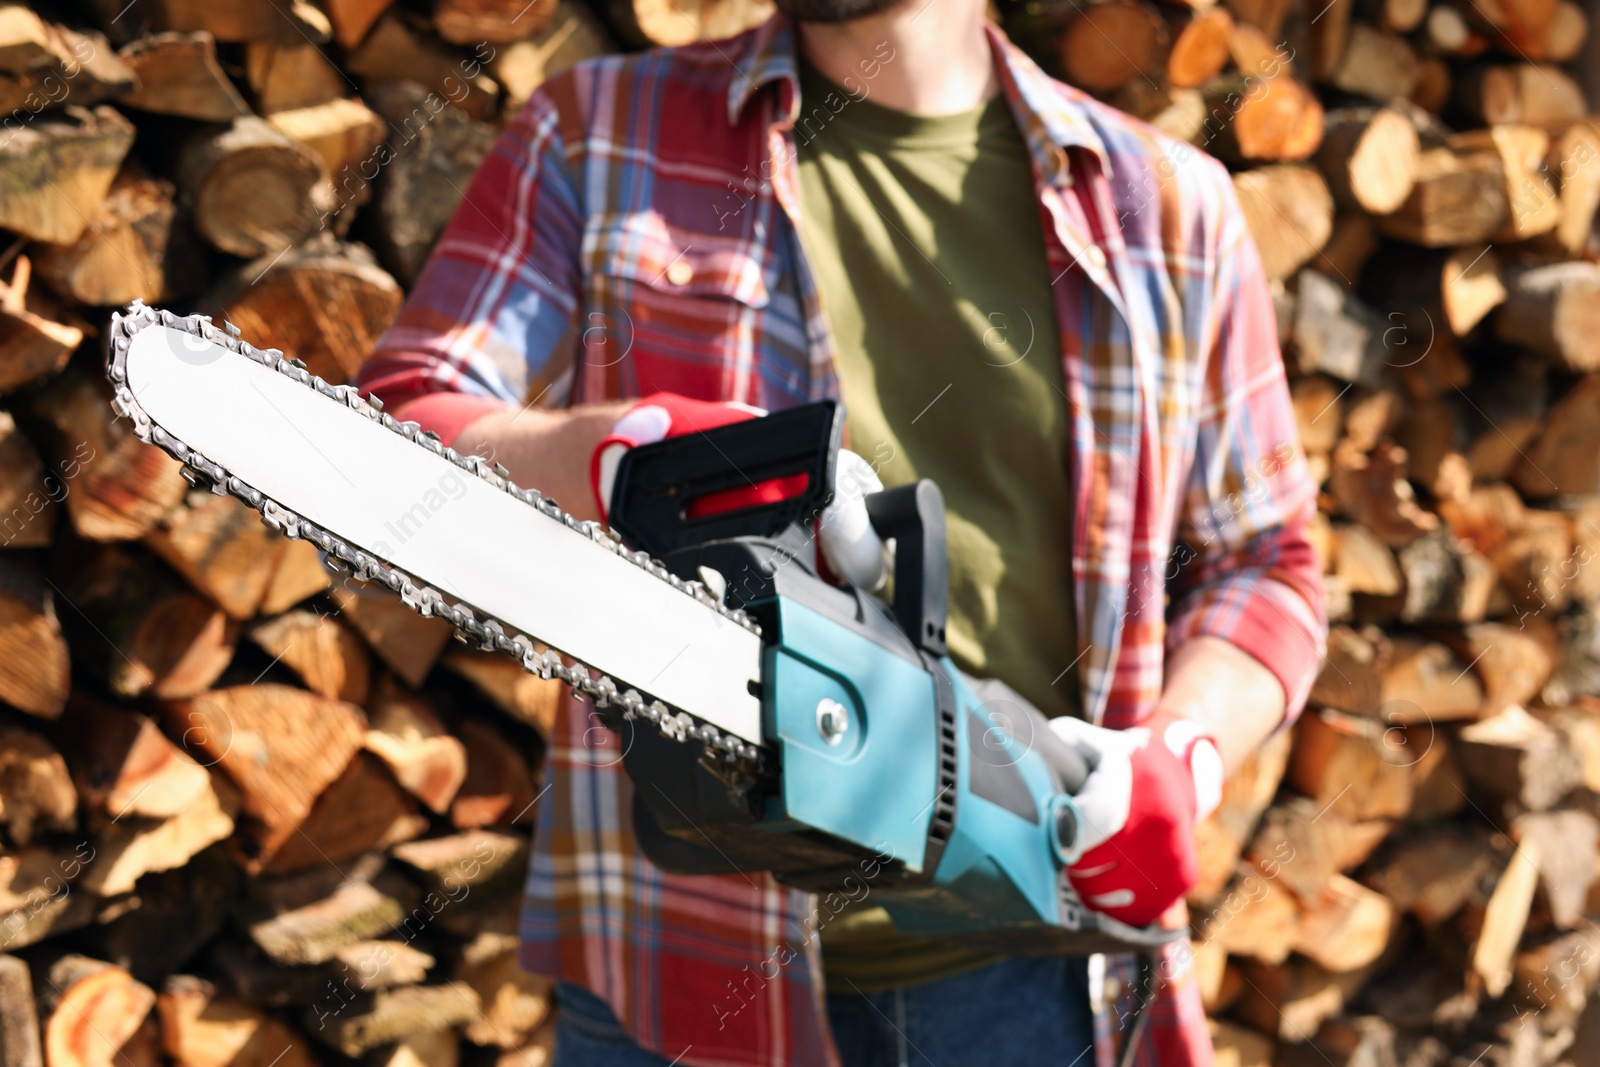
833,11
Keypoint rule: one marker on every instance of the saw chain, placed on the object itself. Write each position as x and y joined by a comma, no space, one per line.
733,759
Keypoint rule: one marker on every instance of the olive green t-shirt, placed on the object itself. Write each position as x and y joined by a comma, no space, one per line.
925,237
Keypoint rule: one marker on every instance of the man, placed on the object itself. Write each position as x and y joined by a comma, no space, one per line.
1050,309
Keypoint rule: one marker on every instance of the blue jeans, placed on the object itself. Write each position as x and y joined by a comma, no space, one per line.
1032,1011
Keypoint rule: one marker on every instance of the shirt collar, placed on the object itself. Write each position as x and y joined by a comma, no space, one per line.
1052,116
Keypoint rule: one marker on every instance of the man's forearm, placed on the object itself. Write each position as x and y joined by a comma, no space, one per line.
1227,691
546,450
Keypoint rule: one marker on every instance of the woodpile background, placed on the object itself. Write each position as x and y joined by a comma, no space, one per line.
252,816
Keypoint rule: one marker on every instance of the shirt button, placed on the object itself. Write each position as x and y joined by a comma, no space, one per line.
1095,256
679,273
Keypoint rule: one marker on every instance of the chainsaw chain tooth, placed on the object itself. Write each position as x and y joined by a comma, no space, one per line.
733,759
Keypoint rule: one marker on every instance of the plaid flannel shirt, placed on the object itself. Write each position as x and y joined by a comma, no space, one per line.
634,230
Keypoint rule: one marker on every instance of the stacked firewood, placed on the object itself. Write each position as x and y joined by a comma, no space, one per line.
252,812
1409,877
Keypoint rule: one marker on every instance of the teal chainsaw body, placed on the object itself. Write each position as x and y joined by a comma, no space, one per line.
948,799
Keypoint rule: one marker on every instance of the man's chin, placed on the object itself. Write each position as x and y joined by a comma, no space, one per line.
833,11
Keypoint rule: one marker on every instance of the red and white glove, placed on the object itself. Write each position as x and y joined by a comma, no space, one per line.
1135,854
850,546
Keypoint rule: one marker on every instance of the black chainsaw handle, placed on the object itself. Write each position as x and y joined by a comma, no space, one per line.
655,483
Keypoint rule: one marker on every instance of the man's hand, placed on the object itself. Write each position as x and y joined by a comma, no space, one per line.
1135,854
850,547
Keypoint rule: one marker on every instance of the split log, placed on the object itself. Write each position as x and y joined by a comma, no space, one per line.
1365,564
1351,678
1574,160
1554,310
36,897
1375,64
353,18
1257,918
129,252
179,75
1335,333
643,23
1293,1001
1511,662
1525,93
121,487
362,810
255,192
345,134
299,574
1370,417
540,1051
81,64
1568,846
1352,243
19,1023
27,504
1370,158
282,747
1518,759
572,35
1457,199
1447,32
438,1049
1318,412
1274,120
1423,682
36,792
326,304
469,860
1254,53
431,156
1347,927
1352,766
405,734
408,644
468,22
499,788
34,671
1502,920
1534,560
1289,212
247,20
200,1028
524,696
222,547
1221,839
1373,489
1452,288
1556,975
286,75
370,965
124,765
1112,43
1199,48
32,346
1564,37
329,658
396,1014
1300,846
515,1003
1431,874
394,51
307,918
126,849
1445,580
94,1009
141,629
1534,207
1565,455
1325,39
57,169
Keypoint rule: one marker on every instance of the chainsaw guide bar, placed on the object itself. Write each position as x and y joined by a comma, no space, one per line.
733,758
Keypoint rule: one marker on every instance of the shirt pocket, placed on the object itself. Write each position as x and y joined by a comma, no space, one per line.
672,309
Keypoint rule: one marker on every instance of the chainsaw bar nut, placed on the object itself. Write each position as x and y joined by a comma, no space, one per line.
833,721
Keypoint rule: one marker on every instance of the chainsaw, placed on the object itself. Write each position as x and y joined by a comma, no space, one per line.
769,719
